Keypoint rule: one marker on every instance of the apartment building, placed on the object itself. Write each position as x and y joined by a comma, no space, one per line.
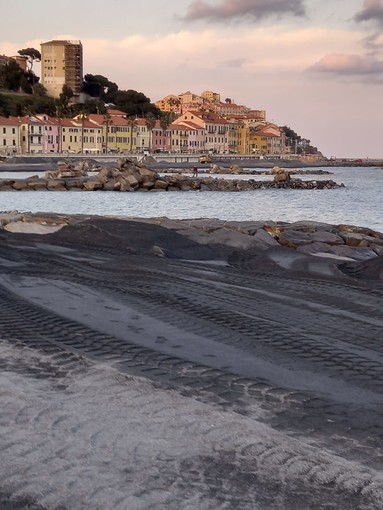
62,64
210,96
10,128
215,129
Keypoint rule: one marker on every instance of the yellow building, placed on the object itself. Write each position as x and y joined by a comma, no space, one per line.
10,134
62,64
210,96
80,135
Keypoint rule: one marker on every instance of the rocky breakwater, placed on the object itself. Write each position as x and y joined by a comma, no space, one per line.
240,170
129,175
303,247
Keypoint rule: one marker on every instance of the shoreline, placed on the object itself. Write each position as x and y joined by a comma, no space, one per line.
19,164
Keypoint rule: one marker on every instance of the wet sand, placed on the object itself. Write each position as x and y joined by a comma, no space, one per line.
146,368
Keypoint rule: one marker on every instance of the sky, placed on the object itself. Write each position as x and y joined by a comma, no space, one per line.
313,65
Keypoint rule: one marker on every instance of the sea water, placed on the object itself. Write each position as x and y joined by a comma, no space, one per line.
359,202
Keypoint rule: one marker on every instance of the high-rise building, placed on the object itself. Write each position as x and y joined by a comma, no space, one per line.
61,64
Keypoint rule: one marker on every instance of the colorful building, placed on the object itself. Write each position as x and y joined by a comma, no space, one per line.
62,64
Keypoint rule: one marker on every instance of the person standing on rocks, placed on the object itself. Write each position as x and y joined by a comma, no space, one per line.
195,171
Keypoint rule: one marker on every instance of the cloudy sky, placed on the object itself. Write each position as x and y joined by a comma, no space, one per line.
314,65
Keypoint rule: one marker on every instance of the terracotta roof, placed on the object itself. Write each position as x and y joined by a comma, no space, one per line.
10,121
190,125
112,112
116,120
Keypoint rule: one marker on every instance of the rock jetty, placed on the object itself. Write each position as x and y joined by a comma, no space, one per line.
304,238
130,175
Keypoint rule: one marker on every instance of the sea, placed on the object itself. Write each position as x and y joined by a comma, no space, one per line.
359,202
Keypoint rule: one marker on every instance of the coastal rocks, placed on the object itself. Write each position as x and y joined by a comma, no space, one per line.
310,238
255,246
132,176
66,169
281,177
233,169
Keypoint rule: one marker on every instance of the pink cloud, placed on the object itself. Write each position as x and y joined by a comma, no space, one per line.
346,64
372,10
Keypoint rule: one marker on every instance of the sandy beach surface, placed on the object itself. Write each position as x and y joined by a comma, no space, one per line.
144,367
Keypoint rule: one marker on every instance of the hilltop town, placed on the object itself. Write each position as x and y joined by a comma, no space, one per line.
78,114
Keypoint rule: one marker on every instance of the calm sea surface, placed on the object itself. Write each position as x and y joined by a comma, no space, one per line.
360,202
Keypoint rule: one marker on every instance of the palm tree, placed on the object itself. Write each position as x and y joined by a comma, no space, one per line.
83,116
150,124
131,123
106,122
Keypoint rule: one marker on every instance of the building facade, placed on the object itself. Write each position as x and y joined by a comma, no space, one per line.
62,64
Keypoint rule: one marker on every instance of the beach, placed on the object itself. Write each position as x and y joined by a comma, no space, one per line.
152,363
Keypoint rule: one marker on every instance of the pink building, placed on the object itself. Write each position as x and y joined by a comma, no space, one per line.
52,134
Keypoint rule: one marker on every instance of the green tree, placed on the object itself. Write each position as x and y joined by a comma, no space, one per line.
94,85
11,76
135,103
64,100
32,55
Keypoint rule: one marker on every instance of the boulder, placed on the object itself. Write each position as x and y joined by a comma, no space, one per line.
5,184
264,238
235,169
20,185
322,236
74,183
92,185
130,179
161,185
293,238
359,239
56,185
37,183
282,176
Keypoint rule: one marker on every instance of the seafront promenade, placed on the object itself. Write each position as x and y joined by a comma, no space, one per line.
249,160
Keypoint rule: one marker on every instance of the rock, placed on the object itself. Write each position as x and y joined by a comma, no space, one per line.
235,169
74,183
326,237
356,239
263,237
282,177
92,185
56,185
160,184
5,184
293,238
274,229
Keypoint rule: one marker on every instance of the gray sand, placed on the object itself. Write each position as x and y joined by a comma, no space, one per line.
142,369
